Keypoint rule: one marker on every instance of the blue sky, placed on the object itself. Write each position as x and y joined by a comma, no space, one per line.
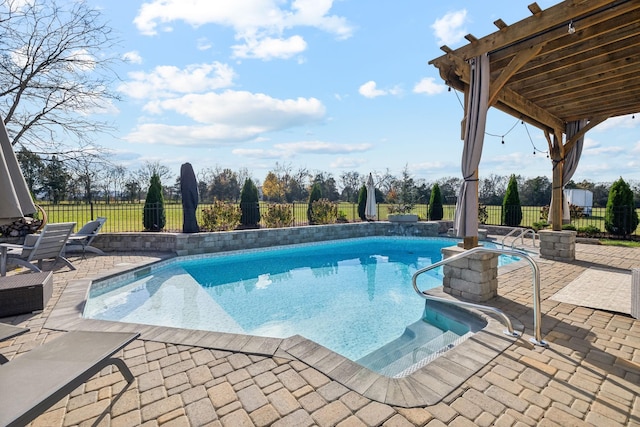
328,85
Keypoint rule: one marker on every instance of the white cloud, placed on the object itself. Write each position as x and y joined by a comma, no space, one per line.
636,148
450,28
155,133
132,57
167,80
370,90
257,23
288,150
594,148
320,147
231,116
347,162
618,122
242,108
428,86
269,48
203,43
258,153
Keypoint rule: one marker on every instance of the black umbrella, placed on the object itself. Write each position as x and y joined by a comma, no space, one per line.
189,190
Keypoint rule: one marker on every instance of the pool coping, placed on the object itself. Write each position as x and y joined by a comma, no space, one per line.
426,386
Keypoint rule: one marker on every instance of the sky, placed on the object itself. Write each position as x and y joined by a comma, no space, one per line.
327,85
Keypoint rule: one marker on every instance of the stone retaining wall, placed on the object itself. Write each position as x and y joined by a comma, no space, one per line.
198,243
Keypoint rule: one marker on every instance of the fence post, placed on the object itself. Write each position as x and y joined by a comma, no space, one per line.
91,205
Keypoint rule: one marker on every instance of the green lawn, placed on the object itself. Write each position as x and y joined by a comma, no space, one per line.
127,217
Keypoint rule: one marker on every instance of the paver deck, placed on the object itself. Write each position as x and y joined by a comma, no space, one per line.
589,374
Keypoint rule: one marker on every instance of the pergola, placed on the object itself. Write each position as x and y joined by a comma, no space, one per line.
577,62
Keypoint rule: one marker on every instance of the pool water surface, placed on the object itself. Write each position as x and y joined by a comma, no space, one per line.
352,296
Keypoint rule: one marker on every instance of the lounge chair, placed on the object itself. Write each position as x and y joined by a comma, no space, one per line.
33,382
49,244
81,241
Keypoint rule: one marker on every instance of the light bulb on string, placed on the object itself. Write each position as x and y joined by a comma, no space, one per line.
503,140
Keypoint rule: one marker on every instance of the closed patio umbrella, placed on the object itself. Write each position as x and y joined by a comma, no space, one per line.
189,190
15,199
371,208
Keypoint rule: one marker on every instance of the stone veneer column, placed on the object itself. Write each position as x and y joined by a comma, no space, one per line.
474,278
558,245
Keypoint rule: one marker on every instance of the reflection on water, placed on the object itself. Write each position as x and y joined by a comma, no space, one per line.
350,296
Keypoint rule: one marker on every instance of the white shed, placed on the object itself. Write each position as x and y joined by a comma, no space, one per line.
580,197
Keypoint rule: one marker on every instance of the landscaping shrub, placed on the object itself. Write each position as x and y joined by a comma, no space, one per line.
221,216
153,215
540,225
249,204
589,231
436,211
483,215
570,227
315,195
362,202
323,212
620,217
511,209
277,216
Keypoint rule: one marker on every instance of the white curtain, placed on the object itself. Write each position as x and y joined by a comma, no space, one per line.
571,160
572,157
466,219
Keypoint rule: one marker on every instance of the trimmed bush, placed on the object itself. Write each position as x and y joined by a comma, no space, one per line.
620,216
511,209
221,216
324,211
315,195
362,202
436,211
249,204
278,216
153,215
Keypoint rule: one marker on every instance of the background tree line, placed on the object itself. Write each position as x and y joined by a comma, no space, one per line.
91,179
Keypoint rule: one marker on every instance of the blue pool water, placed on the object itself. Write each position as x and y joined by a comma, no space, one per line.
352,296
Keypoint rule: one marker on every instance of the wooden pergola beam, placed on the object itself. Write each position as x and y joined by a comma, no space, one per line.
516,64
535,24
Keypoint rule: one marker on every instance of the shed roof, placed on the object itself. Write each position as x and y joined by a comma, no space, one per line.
548,75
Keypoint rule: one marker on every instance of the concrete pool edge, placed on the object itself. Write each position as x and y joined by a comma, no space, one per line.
426,386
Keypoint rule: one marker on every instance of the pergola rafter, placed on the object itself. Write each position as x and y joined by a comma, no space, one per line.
548,76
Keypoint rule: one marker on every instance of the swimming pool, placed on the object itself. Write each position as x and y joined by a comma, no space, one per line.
352,296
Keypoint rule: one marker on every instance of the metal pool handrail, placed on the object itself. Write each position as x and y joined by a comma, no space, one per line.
523,232
537,315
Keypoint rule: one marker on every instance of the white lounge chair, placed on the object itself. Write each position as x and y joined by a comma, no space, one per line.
49,244
81,241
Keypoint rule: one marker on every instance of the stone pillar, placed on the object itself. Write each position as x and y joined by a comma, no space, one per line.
635,293
474,278
558,245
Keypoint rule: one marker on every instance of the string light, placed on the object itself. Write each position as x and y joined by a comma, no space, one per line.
572,29
535,149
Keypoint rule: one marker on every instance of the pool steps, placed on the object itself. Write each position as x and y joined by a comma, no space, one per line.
419,341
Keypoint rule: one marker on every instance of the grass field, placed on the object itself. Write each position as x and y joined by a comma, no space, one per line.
127,217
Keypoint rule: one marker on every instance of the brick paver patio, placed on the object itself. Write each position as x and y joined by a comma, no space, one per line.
589,374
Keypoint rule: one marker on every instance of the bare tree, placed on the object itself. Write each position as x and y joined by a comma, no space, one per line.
351,182
55,74
149,169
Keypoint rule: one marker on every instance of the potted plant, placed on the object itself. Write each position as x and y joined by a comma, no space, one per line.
401,213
